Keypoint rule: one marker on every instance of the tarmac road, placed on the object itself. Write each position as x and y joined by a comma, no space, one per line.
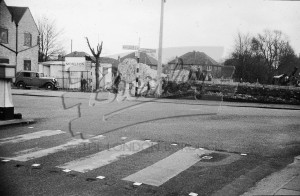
267,137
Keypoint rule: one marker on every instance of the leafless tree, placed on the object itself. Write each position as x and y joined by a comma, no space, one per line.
49,39
97,57
271,45
242,45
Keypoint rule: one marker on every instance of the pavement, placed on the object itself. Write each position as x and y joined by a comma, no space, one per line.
283,182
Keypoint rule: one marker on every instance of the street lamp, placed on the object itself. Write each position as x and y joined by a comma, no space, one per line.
159,66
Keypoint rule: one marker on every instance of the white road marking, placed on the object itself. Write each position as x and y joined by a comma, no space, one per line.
107,156
30,136
137,184
164,170
45,152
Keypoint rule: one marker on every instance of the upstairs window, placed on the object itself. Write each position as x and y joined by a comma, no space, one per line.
27,39
2,60
3,35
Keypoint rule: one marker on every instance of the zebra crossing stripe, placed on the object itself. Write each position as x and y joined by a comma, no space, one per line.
167,168
29,136
45,152
107,156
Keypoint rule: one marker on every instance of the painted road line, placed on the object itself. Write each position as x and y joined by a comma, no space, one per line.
132,107
167,168
30,136
47,151
107,156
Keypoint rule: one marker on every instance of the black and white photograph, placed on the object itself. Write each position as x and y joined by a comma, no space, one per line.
149,97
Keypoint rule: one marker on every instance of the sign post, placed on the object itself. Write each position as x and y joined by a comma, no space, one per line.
138,50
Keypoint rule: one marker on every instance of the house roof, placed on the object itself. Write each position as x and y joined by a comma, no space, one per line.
108,60
17,13
112,61
77,54
196,58
144,58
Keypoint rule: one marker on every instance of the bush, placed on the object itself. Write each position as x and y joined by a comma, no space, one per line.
234,92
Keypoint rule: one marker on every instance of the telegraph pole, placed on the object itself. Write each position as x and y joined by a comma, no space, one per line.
159,66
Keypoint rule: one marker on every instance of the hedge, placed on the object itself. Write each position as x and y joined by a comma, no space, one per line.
242,92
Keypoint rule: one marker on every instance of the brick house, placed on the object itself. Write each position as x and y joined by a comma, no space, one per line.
18,37
200,60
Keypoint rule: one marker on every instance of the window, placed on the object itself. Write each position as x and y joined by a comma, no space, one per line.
27,65
26,74
4,60
3,36
27,39
209,68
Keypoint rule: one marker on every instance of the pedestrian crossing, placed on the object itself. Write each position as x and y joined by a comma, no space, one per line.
107,156
30,136
155,175
44,152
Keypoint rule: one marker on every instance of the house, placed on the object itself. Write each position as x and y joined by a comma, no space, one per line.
198,60
18,37
144,58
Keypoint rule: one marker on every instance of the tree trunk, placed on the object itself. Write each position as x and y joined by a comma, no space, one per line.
97,73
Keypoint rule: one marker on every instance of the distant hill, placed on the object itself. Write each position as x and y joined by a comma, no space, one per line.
215,52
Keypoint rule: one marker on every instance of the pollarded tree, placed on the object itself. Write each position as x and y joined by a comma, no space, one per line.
97,57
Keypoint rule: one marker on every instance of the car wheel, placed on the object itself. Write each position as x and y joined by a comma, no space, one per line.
49,86
21,85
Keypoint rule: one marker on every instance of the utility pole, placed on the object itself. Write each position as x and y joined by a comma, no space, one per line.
137,55
159,66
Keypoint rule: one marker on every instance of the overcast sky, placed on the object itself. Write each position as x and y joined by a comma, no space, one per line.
186,22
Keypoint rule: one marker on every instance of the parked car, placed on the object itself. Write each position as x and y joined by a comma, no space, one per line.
27,79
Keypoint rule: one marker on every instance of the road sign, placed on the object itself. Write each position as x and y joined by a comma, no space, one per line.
130,47
134,47
147,50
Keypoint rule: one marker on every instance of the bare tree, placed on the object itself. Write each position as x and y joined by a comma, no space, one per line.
243,45
271,45
97,57
49,43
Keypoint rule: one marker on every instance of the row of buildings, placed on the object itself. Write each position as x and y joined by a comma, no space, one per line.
19,46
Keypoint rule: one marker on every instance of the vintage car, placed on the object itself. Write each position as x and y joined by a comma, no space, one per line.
28,79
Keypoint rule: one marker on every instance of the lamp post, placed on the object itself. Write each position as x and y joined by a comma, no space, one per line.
159,66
